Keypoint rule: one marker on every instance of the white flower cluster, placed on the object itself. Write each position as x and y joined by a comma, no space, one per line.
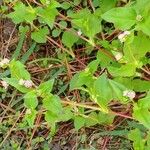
26,83
129,93
4,84
122,37
4,62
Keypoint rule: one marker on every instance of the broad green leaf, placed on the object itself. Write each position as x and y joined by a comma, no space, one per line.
51,117
18,70
122,17
40,35
53,104
145,102
144,26
15,83
105,90
140,85
126,70
105,61
91,119
66,114
30,117
22,13
105,119
68,39
136,137
135,50
79,122
80,79
142,115
30,100
47,15
85,21
50,3
106,5
93,66
46,87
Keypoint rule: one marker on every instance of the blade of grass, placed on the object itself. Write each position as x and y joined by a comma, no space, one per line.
19,46
28,53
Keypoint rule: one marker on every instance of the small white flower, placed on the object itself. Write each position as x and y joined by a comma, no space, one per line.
4,84
139,18
28,111
129,93
79,32
122,36
4,62
118,56
26,83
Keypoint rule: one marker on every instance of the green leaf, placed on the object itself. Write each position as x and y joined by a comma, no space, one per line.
66,114
30,100
106,5
105,61
30,117
53,104
91,119
27,13
136,137
93,66
135,50
40,35
122,17
85,21
68,39
105,90
47,15
80,79
56,32
105,119
51,117
140,85
79,122
46,87
142,115
18,70
15,83
126,70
